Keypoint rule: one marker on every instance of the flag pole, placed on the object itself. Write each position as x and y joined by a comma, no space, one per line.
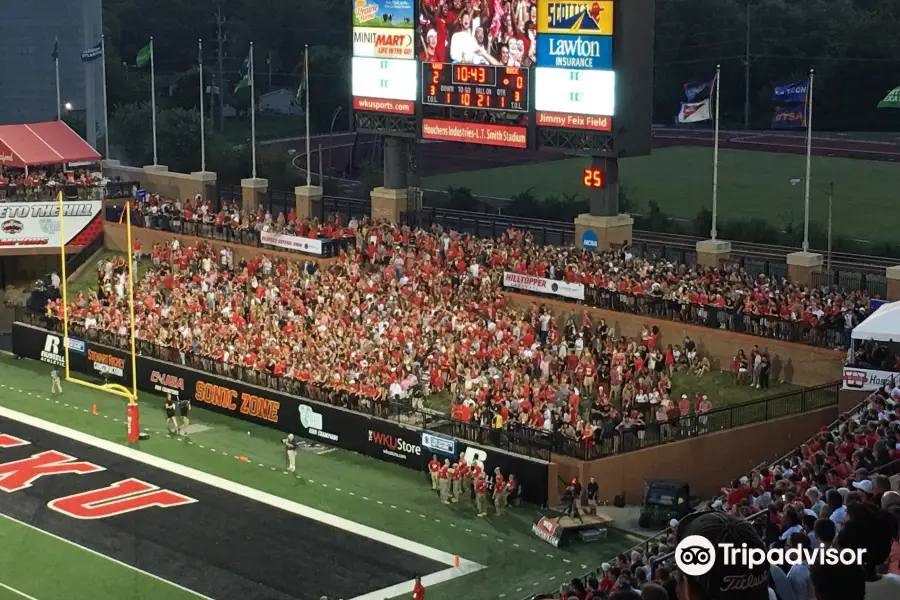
153,98
202,117
105,105
56,64
809,114
715,190
252,111
306,82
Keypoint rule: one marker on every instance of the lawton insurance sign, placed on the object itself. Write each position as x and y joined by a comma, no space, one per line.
36,224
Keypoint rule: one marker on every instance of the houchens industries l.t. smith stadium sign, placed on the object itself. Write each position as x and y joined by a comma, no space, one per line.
36,224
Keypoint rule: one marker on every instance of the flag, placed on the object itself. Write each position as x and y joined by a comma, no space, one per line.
892,100
789,117
792,92
143,56
304,85
698,90
245,75
55,54
92,53
694,112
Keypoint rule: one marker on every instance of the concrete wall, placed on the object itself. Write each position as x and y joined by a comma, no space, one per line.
793,363
707,463
166,183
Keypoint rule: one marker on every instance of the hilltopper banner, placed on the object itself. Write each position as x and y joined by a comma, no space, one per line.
541,285
36,224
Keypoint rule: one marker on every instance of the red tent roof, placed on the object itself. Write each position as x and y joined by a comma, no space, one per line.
48,143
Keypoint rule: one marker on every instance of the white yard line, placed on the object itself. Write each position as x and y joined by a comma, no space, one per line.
95,553
465,566
15,591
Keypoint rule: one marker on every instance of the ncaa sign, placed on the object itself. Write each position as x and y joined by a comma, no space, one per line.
574,51
589,240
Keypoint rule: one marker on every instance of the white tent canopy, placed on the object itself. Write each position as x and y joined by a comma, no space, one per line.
882,326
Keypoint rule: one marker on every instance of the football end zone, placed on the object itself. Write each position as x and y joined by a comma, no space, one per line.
322,518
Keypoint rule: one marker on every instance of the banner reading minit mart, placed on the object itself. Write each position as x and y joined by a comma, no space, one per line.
574,78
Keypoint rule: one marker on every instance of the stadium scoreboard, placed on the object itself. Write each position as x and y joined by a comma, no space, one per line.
487,87
573,76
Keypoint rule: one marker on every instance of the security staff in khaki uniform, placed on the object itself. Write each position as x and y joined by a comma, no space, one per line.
481,495
444,482
434,468
457,482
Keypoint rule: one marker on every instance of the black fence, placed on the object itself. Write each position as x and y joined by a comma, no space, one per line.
223,233
695,425
520,440
394,432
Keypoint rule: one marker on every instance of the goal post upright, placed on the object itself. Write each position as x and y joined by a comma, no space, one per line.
111,388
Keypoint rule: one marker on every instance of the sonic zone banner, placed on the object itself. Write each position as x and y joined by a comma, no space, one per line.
540,285
868,380
36,224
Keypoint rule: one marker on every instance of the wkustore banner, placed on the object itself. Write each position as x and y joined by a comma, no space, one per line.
330,425
541,285
36,224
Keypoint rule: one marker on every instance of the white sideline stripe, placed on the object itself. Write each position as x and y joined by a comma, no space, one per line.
400,589
95,553
15,591
252,494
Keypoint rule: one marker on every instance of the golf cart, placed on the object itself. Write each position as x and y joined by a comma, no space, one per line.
664,500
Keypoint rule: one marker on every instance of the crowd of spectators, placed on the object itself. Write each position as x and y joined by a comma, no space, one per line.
839,489
43,184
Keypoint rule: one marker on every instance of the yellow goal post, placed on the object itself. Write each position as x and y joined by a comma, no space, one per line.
110,388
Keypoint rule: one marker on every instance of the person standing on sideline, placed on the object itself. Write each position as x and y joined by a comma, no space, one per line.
434,467
184,407
444,482
499,487
481,491
593,489
55,385
457,483
170,415
290,445
418,589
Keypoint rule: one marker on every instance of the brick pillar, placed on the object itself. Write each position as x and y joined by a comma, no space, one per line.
599,233
801,266
206,181
253,192
893,283
308,201
712,253
388,204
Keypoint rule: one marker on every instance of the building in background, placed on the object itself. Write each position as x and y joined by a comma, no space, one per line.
280,102
27,76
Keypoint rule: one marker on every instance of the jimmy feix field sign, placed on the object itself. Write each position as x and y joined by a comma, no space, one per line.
36,224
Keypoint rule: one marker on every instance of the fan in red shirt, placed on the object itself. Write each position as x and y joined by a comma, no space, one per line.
418,589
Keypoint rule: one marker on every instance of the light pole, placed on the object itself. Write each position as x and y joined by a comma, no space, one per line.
334,117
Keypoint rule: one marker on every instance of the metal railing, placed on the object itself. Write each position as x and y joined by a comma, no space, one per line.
657,433
221,233
515,438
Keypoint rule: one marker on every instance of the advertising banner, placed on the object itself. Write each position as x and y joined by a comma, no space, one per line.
378,42
541,285
385,14
398,107
551,119
96,361
475,133
789,117
574,51
792,92
585,17
548,530
291,242
330,425
36,224
575,91
867,380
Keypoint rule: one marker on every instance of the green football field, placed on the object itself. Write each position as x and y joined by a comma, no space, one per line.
751,184
367,491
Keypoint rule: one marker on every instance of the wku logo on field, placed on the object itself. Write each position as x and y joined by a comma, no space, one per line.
118,498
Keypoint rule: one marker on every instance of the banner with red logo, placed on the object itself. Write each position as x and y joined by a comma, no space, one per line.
36,224
540,285
868,380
